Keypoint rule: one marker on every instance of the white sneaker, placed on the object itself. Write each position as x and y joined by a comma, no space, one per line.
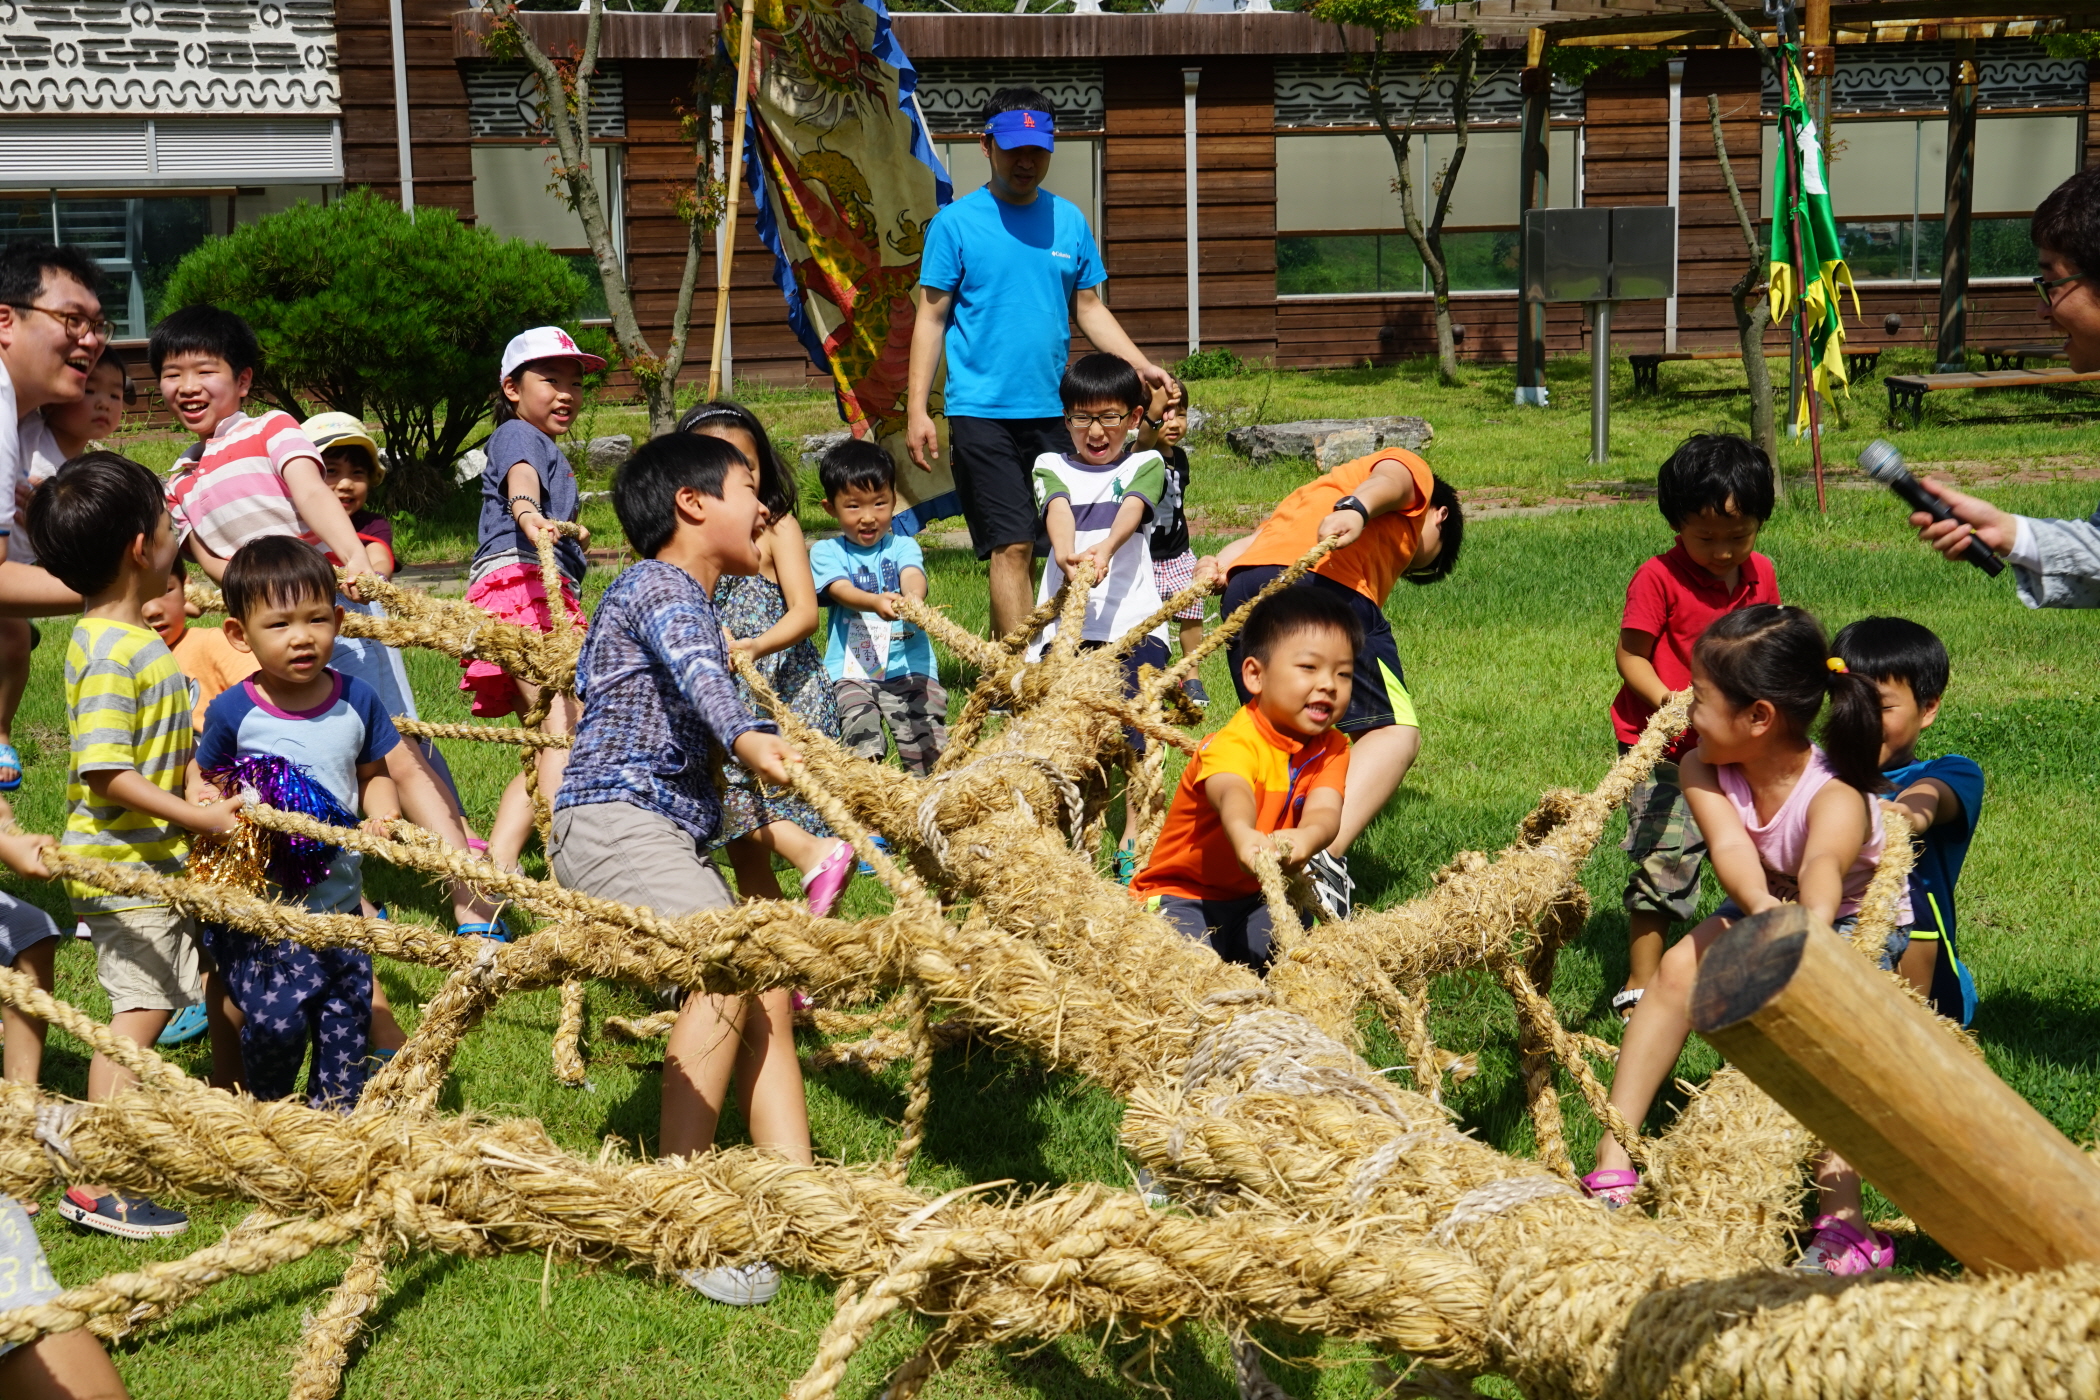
738,1285
1331,884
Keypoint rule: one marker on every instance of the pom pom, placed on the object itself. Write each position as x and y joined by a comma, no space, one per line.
296,863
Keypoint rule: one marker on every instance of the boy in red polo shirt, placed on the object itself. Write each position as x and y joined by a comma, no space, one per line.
1716,492
1277,766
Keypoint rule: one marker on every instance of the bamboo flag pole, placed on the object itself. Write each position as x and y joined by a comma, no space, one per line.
736,185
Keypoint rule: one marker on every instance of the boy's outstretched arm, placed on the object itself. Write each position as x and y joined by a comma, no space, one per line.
845,595
1319,822
1233,798
1155,411
23,851
377,796
323,512
1133,513
1837,830
1062,526
1636,661
1926,803
130,787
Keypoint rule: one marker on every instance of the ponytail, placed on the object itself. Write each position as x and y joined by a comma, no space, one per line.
1781,656
1852,731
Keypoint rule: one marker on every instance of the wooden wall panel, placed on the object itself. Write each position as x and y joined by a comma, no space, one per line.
437,103
1145,214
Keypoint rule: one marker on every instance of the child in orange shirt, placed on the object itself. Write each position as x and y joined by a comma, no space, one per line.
1276,768
203,653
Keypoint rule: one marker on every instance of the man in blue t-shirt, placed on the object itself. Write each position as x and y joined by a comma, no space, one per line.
1942,797
1007,270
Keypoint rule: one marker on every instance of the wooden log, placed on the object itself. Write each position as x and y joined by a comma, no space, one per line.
1874,1075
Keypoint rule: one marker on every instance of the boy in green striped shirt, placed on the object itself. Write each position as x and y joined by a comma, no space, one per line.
102,526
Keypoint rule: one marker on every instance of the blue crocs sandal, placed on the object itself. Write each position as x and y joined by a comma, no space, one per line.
187,1026
1125,864
494,929
10,759
127,1217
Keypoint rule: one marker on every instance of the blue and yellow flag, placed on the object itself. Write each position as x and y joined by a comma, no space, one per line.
1808,210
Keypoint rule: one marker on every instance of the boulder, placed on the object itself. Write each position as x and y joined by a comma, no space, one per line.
470,466
1329,442
815,445
605,453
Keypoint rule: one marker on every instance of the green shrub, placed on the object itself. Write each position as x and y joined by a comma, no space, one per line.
375,313
1217,363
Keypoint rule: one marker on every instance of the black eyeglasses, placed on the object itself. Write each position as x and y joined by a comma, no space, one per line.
78,326
2044,287
1099,420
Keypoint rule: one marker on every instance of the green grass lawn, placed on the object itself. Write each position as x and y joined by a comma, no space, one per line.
1510,663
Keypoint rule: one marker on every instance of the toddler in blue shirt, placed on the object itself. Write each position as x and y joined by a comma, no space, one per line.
281,607
882,667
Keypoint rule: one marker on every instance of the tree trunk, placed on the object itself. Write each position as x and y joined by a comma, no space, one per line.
1753,311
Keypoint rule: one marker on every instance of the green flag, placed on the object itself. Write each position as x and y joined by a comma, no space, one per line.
1819,256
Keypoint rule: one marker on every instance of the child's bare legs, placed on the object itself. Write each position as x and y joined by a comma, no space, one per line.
1918,963
62,1366
1837,1189
107,1078
22,1057
428,803
1191,635
223,1020
386,1033
1655,1036
14,678
1645,931
750,855
750,1039
1378,763
514,814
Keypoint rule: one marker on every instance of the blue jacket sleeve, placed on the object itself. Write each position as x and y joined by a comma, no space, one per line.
685,637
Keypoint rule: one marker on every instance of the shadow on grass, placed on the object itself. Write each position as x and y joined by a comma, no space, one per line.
1006,1144
2015,1022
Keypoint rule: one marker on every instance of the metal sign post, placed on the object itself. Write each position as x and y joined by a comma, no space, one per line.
1601,256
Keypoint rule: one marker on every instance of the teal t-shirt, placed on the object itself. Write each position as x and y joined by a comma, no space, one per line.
1013,269
861,645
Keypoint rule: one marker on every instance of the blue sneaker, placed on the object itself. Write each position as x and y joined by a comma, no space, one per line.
1197,695
882,845
1126,864
187,1025
128,1217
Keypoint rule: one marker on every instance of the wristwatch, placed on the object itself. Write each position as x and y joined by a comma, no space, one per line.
1351,503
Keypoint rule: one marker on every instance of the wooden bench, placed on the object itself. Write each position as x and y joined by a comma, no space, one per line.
1647,368
1909,390
2017,356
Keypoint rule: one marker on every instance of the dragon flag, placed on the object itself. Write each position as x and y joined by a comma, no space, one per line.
844,179
1808,209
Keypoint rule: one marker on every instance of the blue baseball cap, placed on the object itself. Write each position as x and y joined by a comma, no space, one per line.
1011,129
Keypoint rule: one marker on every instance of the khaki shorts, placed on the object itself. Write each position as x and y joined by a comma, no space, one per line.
148,958
615,850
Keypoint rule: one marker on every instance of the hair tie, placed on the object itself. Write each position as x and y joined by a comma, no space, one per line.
1837,664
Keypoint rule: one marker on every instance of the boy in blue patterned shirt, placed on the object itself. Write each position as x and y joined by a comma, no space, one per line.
638,811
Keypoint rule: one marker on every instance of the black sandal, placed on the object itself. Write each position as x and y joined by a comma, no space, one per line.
1626,1000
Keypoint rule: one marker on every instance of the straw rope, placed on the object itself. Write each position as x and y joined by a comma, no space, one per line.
1326,1197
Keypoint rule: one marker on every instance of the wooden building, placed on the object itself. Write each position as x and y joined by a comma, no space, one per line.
1299,243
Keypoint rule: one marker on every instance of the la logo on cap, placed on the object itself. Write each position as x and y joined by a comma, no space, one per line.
1028,119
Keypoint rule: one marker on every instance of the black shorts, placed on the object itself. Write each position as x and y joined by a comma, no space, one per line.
994,462
1379,698
1237,930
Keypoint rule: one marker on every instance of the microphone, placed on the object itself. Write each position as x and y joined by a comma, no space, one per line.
1885,464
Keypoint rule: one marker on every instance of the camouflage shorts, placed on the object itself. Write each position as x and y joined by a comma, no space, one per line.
915,708
1666,847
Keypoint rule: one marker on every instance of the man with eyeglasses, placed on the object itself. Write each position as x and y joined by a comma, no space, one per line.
1006,272
2056,563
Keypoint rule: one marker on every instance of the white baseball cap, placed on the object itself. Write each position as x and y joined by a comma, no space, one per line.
545,343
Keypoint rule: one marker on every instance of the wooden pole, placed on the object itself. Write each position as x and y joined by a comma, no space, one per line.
736,185
1877,1077
1533,166
1961,200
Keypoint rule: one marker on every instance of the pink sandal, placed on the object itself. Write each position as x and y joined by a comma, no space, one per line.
829,880
1842,1251
1612,1185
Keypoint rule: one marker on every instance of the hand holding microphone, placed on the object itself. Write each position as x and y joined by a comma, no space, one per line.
1885,464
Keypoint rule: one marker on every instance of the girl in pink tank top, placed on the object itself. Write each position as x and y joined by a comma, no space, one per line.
1784,820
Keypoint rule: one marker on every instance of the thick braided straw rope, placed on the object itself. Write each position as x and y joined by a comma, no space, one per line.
1315,1194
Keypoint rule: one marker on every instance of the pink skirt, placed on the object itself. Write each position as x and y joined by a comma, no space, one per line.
513,593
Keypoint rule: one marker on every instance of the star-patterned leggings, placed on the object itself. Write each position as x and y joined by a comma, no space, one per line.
294,996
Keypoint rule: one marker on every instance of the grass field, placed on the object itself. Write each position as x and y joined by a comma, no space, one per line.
1510,662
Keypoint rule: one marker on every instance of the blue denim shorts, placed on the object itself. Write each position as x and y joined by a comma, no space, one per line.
1897,944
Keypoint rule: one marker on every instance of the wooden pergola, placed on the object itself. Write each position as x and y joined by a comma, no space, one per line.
1821,28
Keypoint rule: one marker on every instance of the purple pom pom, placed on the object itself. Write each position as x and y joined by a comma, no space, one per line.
297,863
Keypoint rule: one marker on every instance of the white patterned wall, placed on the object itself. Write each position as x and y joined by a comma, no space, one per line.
2011,75
953,93
1322,92
189,57
504,99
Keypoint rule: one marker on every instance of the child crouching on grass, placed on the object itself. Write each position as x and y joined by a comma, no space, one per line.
332,728
638,809
1277,768
102,528
1784,820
